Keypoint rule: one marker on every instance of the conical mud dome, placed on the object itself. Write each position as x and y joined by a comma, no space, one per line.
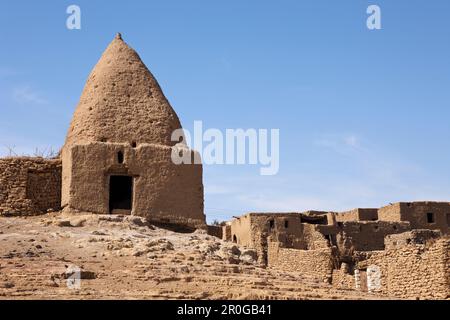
122,102
117,158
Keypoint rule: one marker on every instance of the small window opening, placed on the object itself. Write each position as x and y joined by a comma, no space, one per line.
134,144
394,227
103,139
286,224
120,157
430,217
271,224
234,238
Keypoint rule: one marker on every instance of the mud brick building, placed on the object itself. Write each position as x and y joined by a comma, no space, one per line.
117,153
399,250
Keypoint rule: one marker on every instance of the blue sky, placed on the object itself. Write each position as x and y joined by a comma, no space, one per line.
363,115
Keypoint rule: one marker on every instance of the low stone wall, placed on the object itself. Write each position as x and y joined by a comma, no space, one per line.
413,271
29,186
311,263
343,280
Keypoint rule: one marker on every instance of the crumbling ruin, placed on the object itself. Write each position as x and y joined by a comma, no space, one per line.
399,250
29,186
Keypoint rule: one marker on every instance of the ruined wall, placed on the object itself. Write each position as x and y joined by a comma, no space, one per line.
261,226
241,232
226,232
417,214
351,215
290,230
413,271
29,186
298,235
367,235
163,192
254,229
416,236
368,214
215,231
360,214
310,263
390,213
343,278
312,238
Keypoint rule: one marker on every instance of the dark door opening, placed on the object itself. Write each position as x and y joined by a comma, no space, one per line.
430,217
120,193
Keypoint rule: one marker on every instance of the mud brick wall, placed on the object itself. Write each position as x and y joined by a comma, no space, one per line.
417,236
162,192
390,213
313,238
254,229
414,271
241,231
215,231
310,263
360,214
226,233
417,214
367,235
29,186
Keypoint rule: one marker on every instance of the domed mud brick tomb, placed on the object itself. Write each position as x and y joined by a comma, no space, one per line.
117,154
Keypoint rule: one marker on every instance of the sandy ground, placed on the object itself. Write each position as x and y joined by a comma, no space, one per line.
125,258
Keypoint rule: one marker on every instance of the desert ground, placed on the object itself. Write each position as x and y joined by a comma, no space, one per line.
123,257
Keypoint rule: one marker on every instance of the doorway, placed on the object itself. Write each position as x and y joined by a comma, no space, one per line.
120,194
363,280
